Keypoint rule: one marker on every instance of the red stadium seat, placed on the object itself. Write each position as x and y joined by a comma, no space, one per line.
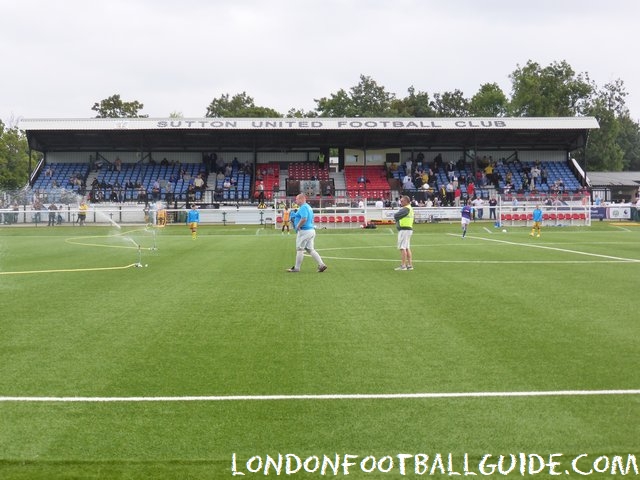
361,219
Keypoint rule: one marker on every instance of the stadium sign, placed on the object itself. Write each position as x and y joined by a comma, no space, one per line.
331,124
420,124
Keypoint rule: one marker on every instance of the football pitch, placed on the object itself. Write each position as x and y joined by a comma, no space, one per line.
136,352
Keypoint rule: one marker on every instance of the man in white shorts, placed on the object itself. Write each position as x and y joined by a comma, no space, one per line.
404,224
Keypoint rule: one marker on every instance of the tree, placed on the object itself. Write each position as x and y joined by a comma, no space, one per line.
115,107
14,158
450,104
339,104
623,134
615,146
413,105
240,105
552,91
603,151
629,142
612,96
490,101
371,99
366,99
301,113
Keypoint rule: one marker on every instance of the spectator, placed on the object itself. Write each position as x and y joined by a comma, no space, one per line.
198,183
155,191
142,195
478,205
52,215
492,208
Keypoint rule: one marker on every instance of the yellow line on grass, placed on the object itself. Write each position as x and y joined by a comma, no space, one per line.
69,270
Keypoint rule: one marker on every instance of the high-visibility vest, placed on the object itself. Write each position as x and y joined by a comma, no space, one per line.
406,222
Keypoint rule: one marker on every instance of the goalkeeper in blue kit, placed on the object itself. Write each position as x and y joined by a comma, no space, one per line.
193,218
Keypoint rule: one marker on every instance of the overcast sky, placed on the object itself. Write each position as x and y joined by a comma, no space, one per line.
60,57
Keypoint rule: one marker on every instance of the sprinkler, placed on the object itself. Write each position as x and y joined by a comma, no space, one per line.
139,264
155,247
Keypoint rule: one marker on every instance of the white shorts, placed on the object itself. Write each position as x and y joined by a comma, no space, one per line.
465,221
305,239
404,239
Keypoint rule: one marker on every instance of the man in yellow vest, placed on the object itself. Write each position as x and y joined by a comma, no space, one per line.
82,212
404,224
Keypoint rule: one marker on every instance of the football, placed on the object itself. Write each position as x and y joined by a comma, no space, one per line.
504,230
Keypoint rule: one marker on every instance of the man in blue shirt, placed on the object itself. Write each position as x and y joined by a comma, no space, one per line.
306,233
537,220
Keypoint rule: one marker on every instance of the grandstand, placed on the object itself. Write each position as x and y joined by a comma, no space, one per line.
59,182
119,160
373,182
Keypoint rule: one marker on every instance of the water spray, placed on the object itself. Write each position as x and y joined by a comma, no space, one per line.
155,247
139,263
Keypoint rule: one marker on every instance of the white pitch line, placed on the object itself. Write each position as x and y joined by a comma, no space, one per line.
564,250
478,262
363,396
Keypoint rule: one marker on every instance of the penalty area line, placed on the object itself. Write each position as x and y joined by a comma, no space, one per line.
364,396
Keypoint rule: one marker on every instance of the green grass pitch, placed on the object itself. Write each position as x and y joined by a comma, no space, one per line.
497,344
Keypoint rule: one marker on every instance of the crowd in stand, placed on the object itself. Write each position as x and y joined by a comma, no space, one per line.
482,179
433,182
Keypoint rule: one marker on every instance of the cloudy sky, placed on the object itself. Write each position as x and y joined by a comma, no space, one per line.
60,57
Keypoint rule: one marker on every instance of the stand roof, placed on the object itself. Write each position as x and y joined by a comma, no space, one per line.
306,134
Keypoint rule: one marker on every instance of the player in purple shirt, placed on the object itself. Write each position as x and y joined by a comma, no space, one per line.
465,219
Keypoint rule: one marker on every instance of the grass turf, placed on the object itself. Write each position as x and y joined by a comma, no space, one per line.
219,316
